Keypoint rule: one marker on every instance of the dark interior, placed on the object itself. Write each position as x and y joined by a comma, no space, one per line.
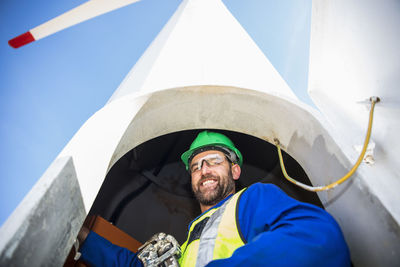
148,190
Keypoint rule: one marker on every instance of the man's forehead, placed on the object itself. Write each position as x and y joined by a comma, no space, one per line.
205,153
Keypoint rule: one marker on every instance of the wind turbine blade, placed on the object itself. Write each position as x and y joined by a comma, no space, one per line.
77,15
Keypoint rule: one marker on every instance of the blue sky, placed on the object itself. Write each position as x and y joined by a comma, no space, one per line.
49,88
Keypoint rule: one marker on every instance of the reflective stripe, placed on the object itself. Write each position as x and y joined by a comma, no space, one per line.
208,237
229,237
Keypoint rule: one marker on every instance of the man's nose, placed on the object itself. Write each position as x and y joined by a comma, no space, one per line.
204,167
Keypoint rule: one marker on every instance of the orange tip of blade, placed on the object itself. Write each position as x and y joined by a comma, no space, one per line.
21,40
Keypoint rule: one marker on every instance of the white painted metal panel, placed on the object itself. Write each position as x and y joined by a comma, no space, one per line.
354,55
203,44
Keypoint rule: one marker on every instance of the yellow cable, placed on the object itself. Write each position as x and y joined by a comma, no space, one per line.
373,100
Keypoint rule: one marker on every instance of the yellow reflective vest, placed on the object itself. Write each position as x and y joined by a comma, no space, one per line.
214,235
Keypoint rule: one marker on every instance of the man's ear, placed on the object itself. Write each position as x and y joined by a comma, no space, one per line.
236,170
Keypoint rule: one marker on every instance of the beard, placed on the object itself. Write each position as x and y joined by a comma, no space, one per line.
225,185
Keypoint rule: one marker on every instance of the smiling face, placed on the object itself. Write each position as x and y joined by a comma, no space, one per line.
213,177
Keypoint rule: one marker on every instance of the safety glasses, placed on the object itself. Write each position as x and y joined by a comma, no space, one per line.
210,159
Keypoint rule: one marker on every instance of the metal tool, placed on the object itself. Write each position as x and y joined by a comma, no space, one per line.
161,250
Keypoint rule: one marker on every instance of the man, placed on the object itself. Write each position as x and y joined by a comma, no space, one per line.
258,226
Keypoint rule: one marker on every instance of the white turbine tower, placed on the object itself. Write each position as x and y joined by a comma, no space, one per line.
184,81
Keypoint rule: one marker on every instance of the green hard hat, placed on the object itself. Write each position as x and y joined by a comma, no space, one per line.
212,141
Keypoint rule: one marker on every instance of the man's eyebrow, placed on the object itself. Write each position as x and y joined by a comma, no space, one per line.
191,166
